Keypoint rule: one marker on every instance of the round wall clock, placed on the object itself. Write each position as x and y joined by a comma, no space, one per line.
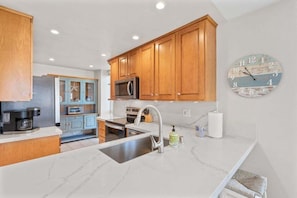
254,75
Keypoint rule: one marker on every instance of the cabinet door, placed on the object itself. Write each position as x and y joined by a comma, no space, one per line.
190,63
132,63
15,56
89,91
76,122
63,91
63,123
75,91
102,134
165,68
146,57
196,61
123,66
114,75
128,64
90,121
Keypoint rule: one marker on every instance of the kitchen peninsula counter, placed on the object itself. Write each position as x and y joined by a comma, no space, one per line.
19,147
35,133
107,117
200,167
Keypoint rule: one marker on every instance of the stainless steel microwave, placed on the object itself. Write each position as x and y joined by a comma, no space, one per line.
127,88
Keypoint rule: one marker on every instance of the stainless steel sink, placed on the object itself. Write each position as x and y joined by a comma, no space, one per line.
131,149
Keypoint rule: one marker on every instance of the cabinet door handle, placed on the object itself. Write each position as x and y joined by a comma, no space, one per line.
152,94
178,94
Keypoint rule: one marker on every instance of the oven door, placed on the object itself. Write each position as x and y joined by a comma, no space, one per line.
114,131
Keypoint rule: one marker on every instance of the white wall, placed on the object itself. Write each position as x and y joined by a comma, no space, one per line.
104,95
271,31
172,112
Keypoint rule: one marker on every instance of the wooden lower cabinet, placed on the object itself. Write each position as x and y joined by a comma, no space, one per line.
101,135
13,152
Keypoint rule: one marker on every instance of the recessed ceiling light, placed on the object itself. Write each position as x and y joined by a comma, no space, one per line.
103,54
91,66
135,37
160,5
56,32
51,59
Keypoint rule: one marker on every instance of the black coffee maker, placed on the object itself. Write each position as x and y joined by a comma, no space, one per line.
19,120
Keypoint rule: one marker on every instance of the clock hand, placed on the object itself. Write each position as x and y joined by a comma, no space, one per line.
248,73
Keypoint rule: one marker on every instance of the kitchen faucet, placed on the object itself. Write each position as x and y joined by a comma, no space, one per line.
160,143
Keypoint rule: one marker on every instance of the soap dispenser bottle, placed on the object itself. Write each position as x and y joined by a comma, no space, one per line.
173,137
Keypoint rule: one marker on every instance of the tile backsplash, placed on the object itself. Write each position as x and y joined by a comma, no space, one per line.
172,112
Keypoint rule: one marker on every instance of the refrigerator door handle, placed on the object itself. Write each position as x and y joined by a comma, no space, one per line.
57,101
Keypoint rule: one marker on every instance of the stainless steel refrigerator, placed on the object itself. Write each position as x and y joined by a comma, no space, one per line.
43,97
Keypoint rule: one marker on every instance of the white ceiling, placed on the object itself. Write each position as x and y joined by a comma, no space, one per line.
89,28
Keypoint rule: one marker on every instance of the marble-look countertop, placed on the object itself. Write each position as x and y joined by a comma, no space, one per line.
107,117
200,167
36,133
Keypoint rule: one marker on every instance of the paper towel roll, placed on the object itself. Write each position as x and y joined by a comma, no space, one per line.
215,124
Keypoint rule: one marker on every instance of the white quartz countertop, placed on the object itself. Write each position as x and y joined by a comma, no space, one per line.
36,133
198,168
107,117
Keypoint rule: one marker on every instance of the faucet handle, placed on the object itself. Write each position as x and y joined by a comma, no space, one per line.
159,144
154,143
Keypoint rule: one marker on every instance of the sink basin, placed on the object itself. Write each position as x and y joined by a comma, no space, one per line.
131,149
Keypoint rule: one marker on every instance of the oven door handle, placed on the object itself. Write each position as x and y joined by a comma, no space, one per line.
114,126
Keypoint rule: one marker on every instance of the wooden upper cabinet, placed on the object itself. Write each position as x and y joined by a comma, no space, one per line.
128,64
123,66
114,75
165,68
133,64
147,73
157,80
196,62
180,65
15,55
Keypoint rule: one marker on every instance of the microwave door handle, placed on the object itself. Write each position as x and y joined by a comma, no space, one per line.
129,88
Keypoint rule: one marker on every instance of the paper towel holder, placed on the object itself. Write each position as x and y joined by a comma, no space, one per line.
215,124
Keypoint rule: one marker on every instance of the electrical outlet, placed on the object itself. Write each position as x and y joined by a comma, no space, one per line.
187,112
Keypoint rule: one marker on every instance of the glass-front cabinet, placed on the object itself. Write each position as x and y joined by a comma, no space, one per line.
81,94
62,90
77,91
89,91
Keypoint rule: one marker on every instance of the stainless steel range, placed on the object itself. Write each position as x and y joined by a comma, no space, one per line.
115,128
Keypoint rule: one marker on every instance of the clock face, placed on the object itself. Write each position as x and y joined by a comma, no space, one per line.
254,75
